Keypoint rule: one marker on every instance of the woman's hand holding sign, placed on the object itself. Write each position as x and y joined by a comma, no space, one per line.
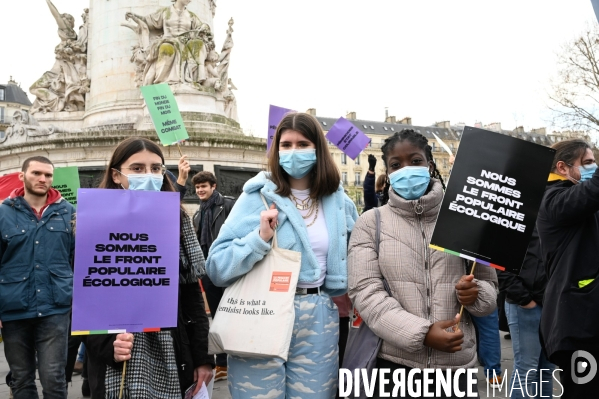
268,223
442,340
122,347
467,290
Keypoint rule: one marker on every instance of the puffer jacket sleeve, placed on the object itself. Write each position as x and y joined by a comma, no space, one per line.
238,246
486,279
381,312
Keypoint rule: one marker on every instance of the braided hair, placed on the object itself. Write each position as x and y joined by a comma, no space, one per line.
416,139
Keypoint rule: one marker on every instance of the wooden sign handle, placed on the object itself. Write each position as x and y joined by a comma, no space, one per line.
123,380
462,308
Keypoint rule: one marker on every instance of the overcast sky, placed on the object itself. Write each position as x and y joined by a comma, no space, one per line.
462,61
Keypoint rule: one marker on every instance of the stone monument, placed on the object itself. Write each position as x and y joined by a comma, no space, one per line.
90,98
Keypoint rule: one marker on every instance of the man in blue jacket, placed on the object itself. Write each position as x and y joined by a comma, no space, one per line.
36,281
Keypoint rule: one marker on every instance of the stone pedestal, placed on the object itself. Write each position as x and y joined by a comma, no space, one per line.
65,121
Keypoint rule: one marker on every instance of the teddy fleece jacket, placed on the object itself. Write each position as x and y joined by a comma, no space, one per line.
239,247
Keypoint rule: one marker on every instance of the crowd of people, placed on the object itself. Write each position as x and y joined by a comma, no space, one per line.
379,263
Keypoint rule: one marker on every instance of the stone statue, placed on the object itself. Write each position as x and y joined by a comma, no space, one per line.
230,101
213,7
173,45
225,54
24,126
212,74
63,88
223,71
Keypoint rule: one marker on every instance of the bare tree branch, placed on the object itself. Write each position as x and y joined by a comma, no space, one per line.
574,92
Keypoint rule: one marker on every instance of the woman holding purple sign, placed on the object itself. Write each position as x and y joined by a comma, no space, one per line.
313,216
161,364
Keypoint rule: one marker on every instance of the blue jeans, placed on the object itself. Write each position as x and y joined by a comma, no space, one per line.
46,335
312,366
487,342
81,353
528,356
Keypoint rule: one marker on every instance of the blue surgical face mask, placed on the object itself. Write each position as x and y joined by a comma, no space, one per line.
587,171
410,182
297,163
145,182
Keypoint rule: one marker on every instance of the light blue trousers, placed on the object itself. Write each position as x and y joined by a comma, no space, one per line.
311,369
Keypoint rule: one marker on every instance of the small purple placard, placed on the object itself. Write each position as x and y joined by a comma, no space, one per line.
126,261
275,115
348,138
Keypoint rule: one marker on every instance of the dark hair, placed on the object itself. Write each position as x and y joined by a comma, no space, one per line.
380,183
203,177
35,159
417,140
568,151
324,175
123,151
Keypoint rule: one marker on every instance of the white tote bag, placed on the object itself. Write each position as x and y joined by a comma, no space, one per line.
256,313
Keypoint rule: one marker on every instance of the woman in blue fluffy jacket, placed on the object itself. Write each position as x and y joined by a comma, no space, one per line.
314,216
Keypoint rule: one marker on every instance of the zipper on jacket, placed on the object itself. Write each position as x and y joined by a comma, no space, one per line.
418,209
217,215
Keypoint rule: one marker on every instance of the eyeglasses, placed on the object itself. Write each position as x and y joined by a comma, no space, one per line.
140,169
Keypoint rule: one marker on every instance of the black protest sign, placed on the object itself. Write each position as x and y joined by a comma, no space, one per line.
492,199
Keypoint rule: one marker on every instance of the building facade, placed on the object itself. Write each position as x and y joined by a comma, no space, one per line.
353,171
12,99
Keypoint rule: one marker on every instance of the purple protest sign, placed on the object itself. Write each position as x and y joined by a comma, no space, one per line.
126,261
275,114
348,138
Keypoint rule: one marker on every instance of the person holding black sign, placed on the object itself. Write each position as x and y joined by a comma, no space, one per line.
568,225
428,287
165,363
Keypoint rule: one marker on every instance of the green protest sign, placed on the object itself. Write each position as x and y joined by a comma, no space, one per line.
66,180
165,113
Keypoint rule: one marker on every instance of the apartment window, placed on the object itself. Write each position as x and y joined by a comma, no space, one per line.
1,94
344,178
2,114
343,159
357,160
358,181
433,146
2,133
